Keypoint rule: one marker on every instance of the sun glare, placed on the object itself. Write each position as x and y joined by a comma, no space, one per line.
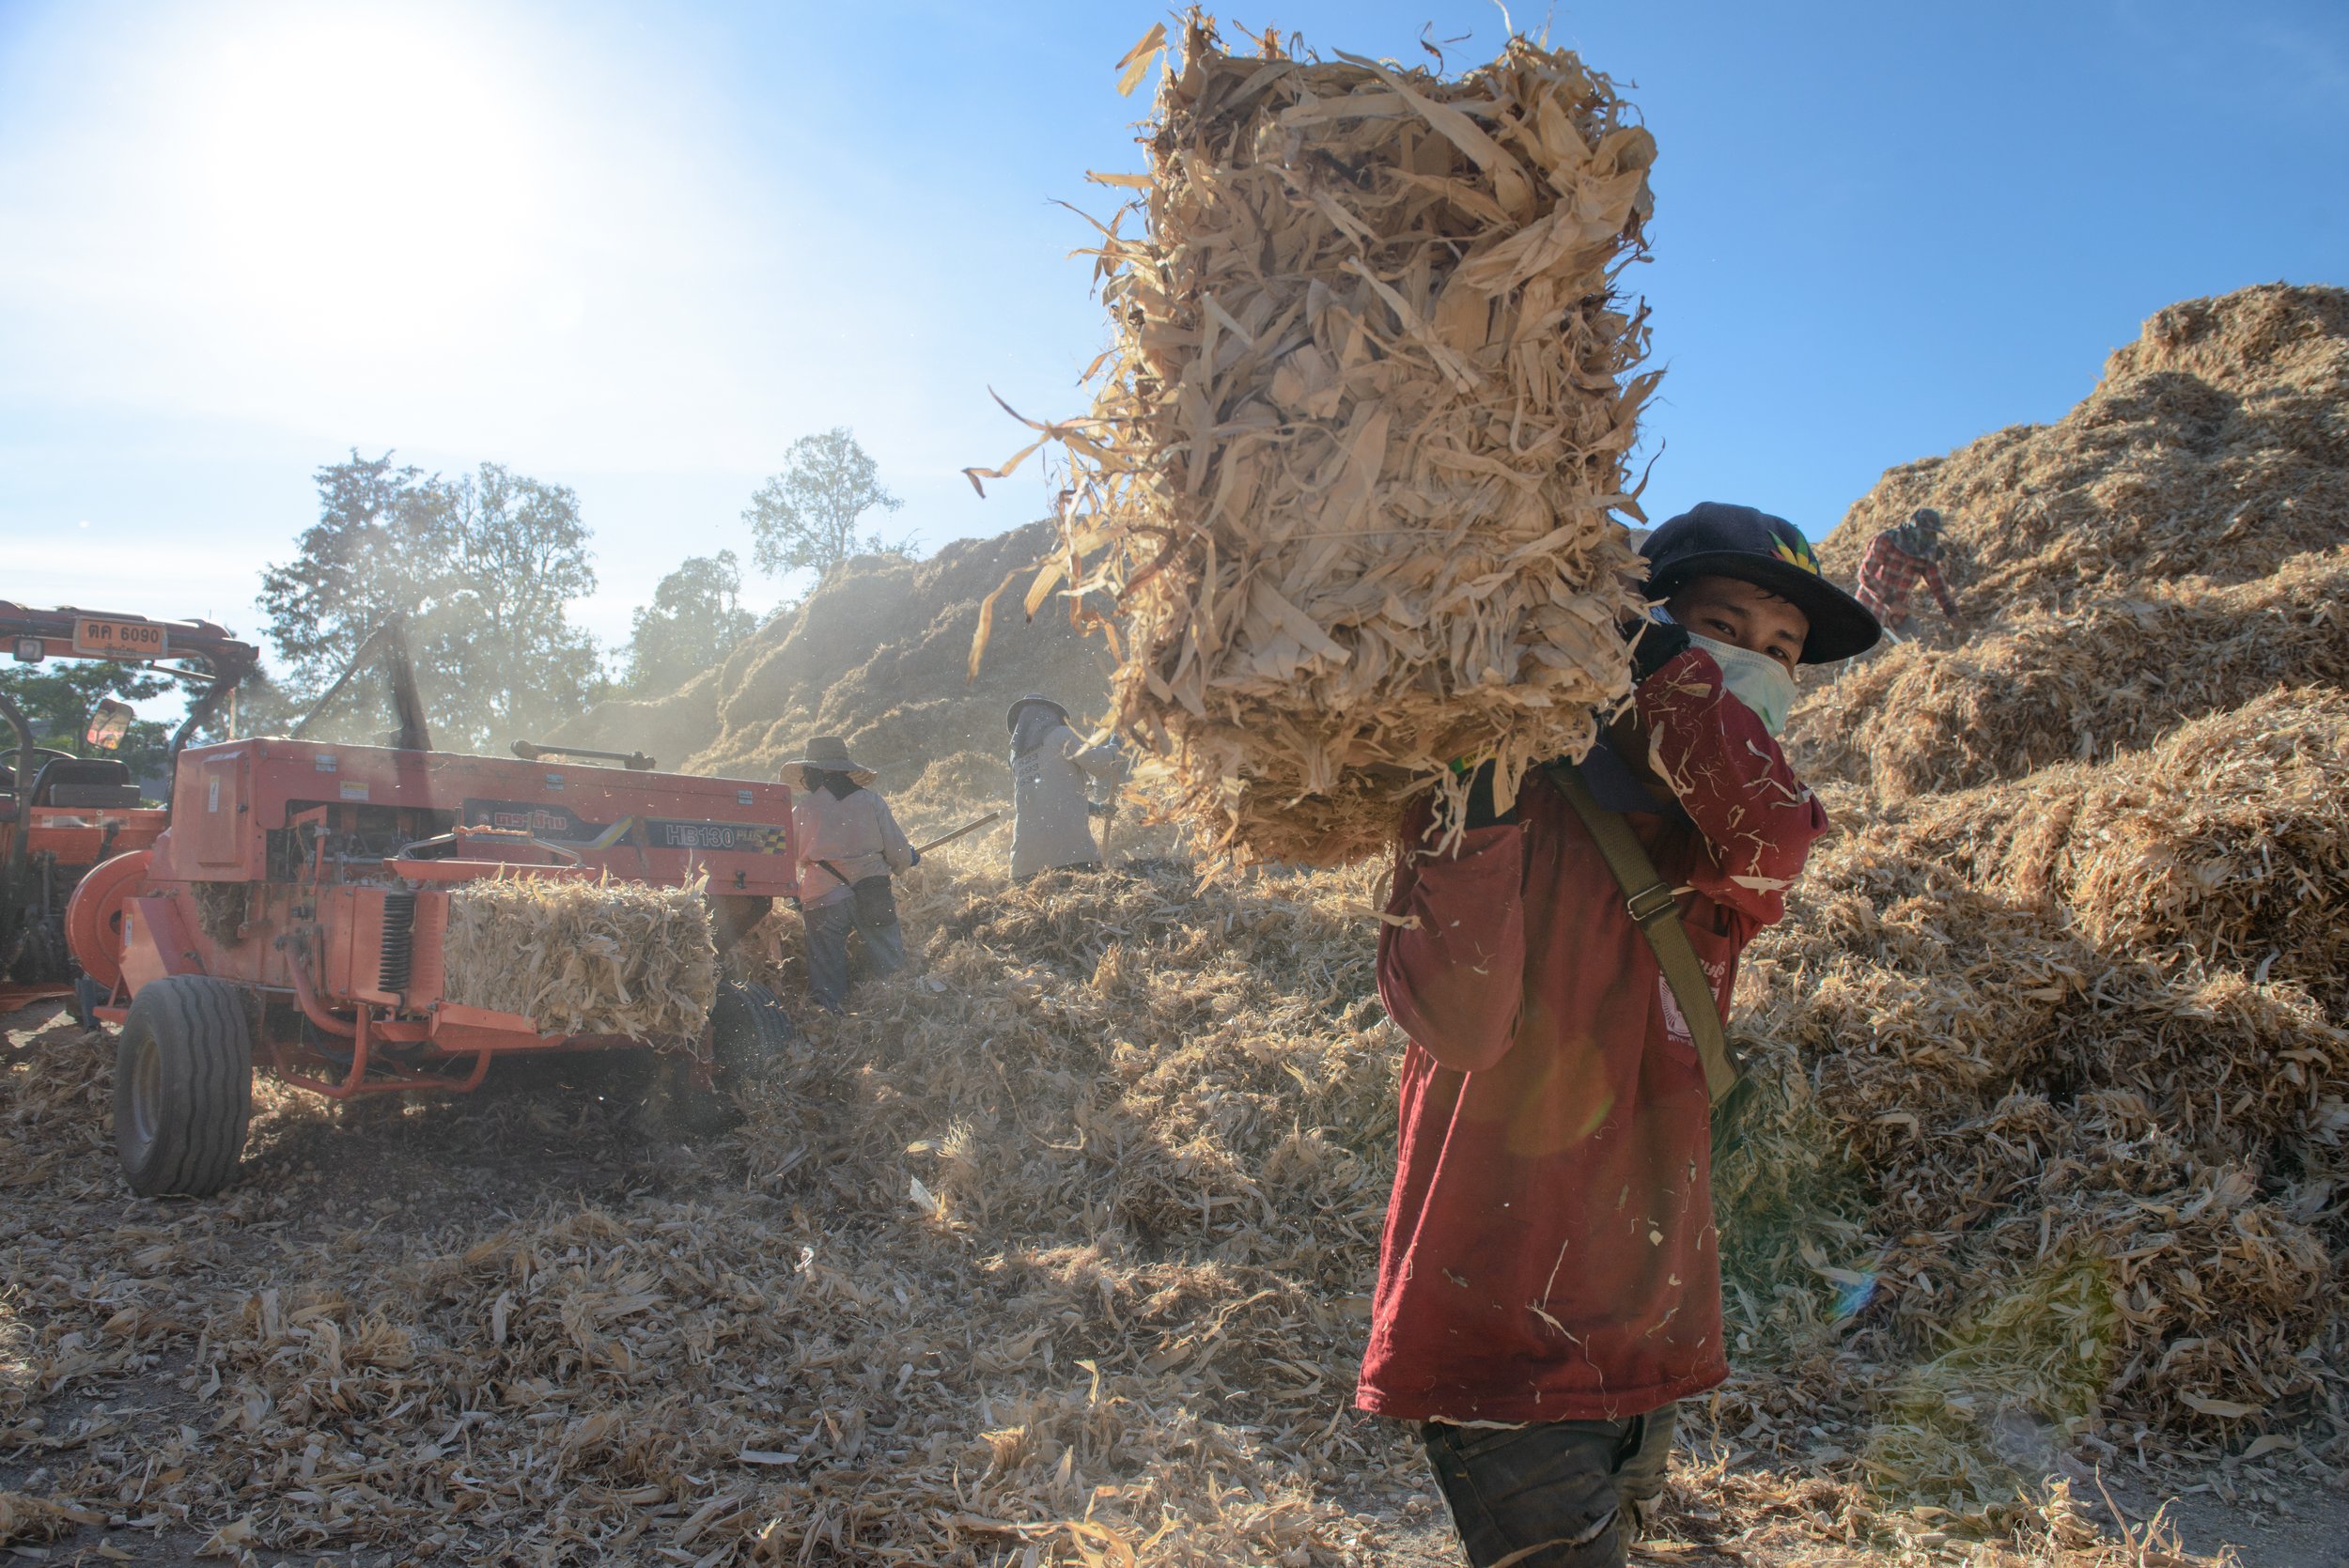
360,179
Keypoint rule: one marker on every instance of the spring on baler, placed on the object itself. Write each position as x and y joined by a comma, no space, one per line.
399,942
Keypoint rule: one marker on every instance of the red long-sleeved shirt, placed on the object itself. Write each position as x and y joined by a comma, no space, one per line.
1549,1252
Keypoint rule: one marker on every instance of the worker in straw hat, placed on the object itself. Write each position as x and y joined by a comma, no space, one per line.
1051,773
1549,1279
1897,561
850,846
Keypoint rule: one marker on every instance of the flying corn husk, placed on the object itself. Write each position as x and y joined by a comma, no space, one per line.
584,957
1348,481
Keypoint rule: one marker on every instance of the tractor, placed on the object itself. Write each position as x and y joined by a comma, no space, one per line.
294,910
62,814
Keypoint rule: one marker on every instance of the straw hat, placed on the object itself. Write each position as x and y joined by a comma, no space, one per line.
1011,714
829,753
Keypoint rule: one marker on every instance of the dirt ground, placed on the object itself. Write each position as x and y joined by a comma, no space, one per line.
389,1179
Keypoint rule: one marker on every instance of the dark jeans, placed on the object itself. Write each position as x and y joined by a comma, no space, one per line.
871,910
1552,1494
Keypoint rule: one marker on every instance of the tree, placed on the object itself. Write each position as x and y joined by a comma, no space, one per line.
376,550
694,620
483,567
806,517
59,704
519,555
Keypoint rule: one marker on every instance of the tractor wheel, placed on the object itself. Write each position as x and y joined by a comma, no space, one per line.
183,1086
747,1025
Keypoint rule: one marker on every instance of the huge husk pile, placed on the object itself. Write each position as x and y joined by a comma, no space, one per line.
576,958
1349,477
2069,990
879,656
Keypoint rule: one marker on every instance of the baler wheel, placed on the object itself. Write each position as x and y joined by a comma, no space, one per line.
747,1025
183,1086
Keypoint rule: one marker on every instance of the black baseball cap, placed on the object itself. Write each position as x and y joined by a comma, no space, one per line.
1714,538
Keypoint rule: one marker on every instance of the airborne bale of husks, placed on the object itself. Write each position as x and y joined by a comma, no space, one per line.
1350,475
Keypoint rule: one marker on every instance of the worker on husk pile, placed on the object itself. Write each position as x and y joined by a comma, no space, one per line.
850,846
1051,771
1900,558
1549,1279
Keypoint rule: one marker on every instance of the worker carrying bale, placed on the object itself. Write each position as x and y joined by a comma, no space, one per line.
1897,561
1051,771
850,846
1549,1278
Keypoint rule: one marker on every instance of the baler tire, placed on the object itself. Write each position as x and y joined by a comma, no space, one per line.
183,1087
747,1025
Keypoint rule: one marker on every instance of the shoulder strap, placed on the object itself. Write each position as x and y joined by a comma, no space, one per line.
1656,912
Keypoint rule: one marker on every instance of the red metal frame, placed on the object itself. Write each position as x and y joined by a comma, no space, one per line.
320,838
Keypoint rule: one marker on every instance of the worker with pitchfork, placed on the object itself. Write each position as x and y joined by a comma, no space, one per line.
850,846
1549,1278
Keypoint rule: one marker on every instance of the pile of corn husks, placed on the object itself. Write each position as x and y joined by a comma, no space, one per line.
2069,990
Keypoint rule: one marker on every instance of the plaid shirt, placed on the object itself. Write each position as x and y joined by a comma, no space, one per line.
1888,576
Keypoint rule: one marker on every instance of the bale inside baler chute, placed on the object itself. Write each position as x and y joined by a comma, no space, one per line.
578,957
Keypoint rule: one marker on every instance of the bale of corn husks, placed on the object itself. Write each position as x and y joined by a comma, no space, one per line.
1350,480
584,957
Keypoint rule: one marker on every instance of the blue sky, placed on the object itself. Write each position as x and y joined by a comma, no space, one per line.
639,250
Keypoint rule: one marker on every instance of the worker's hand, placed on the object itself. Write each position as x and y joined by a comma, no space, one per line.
1480,802
1659,643
1627,736
916,861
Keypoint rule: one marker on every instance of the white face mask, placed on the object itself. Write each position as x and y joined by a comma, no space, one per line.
1756,679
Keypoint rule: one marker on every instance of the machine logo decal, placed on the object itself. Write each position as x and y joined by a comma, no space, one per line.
326,763
561,825
352,791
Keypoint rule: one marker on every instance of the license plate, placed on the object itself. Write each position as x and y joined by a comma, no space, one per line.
99,637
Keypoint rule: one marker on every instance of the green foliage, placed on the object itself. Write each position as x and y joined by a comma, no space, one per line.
806,517
694,620
482,566
58,699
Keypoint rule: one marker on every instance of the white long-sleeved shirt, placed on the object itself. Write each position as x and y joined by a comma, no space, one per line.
857,835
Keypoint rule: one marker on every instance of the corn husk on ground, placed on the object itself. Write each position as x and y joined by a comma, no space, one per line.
1058,1247
576,958
1056,1252
1349,479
